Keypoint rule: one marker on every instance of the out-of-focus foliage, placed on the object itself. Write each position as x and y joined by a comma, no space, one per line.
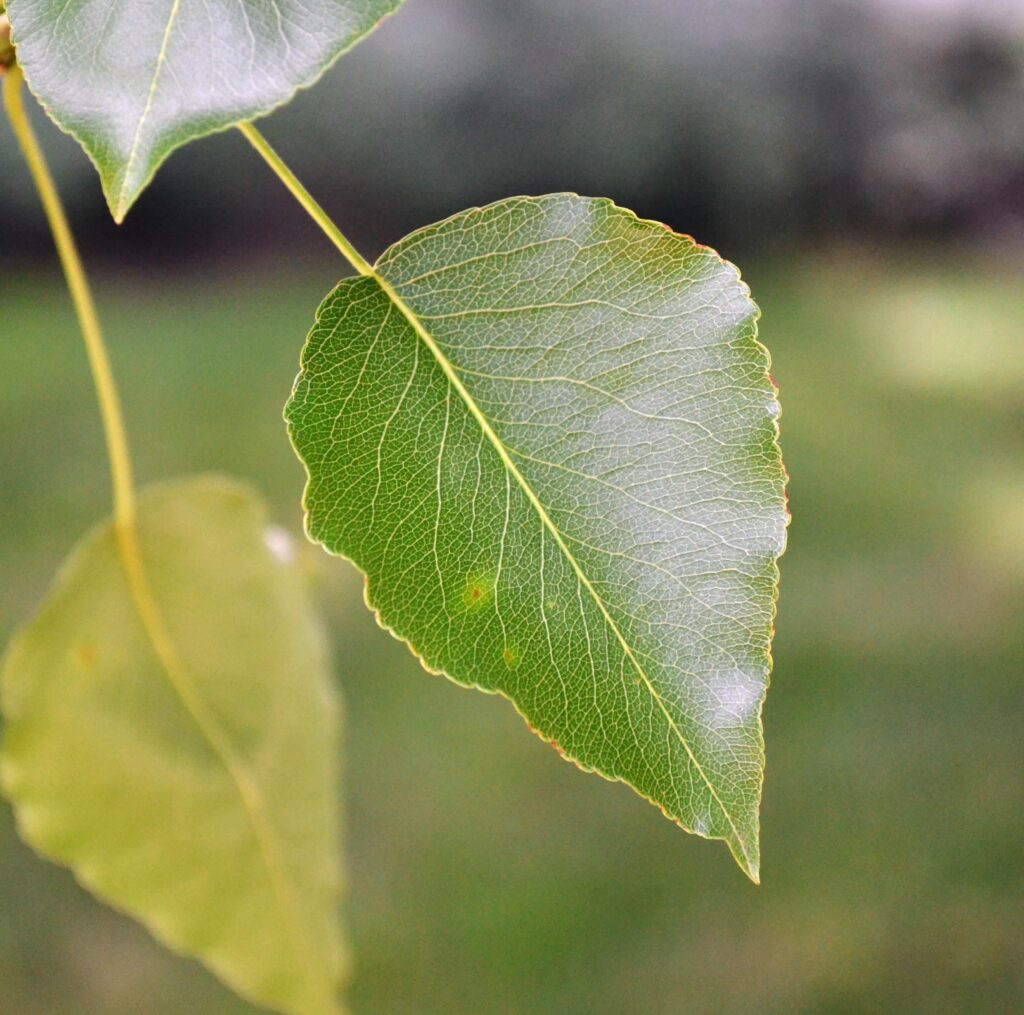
490,878
170,734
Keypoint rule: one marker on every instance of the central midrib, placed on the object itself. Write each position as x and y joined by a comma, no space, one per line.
456,382
161,59
238,771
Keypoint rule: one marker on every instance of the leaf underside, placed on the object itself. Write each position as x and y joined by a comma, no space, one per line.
199,797
134,80
547,435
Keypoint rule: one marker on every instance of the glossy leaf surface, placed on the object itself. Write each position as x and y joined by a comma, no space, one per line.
194,786
134,80
547,434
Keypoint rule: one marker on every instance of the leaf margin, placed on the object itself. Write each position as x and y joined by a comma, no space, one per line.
749,862
71,564
119,210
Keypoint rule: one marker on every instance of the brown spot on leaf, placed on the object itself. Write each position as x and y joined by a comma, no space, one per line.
477,590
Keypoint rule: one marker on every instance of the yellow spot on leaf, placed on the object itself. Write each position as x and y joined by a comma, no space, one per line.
86,655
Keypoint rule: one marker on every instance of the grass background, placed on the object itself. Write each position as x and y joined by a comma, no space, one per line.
487,877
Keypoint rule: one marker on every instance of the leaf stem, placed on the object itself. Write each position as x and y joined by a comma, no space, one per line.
308,202
130,551
81,297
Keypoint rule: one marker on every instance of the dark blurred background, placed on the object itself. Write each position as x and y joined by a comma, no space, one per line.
863,162
756,124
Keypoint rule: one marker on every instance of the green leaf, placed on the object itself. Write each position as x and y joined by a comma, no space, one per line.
546,433
134,80
188,777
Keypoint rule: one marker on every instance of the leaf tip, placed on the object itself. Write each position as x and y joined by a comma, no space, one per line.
118,208
748,857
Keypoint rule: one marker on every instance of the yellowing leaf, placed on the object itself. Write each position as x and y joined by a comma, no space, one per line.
190,783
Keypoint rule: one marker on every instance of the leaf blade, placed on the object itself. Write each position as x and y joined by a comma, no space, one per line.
486,295
229,854
133,82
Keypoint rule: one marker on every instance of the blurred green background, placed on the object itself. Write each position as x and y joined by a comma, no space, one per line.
864,163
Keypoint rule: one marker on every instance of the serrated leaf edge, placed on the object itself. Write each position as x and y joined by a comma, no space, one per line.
747,855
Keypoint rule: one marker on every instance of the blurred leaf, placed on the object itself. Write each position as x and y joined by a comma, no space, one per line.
133,81
191,784
547,435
